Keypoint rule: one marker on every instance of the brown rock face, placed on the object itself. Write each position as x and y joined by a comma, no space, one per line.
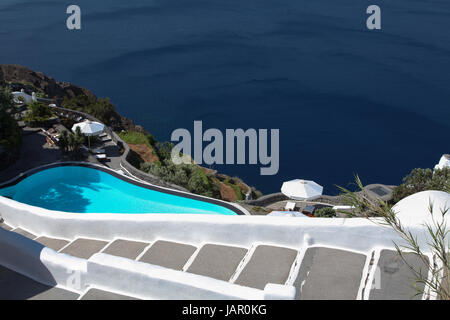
54,89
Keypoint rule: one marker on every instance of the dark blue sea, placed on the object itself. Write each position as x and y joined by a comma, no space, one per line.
346,100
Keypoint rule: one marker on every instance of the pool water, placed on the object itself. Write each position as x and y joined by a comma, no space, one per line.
85,190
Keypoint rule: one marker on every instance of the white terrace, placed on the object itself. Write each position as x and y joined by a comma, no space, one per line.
56,255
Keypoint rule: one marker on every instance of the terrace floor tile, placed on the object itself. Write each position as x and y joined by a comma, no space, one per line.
84,248
395,279
329,274
168,254
97,294
55,244
126,248
217,261
24,233
268,264
5,226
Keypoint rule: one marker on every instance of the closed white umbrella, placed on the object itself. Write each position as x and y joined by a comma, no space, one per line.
89,128
300,189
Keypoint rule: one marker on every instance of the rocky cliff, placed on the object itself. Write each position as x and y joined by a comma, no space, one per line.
18,77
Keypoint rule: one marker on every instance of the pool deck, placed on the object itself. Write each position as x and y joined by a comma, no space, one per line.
35,152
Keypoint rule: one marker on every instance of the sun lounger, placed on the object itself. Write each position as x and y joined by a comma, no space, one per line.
100,157
104,134
98,151
51,137
49,141
290,206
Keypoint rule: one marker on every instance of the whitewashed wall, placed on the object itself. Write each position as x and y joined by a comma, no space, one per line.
356,234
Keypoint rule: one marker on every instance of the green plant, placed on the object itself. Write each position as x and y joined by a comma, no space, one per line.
188,176
10,135
38,112
437,231
325,212
164,150
135,137
6,101
199,183
101,109
69,143
63,142
420,180
237,190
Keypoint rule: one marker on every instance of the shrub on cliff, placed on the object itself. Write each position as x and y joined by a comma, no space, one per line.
164,150
37,113
10,135
102,109
134,137
188,176
420,180
325,212
6,101
199,183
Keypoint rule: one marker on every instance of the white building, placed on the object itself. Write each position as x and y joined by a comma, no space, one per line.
25,97
444,162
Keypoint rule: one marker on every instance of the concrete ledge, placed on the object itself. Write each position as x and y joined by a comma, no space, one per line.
279,292
241,231
41,264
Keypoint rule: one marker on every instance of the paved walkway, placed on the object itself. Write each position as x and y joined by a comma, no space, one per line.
36,152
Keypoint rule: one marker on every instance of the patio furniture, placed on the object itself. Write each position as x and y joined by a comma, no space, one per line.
290,206
101,157
106,139
51,138
89,128
98,151
309,211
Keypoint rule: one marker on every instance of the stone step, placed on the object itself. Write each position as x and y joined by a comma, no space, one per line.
217,261
5,226
97,294
172,255
25,233
394,279
268,264
52,243
84,248
126,248
329,274
14,286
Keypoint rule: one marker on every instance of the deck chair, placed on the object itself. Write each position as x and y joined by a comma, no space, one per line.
290,206
98,151
101,157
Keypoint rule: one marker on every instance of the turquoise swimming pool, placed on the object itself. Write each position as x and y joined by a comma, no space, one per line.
82,189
